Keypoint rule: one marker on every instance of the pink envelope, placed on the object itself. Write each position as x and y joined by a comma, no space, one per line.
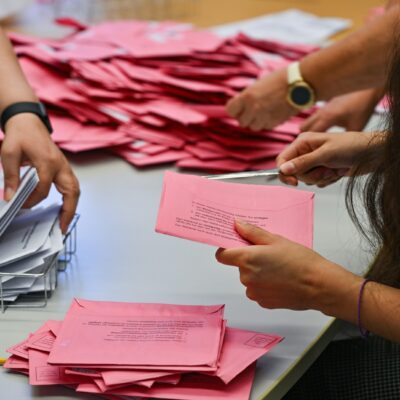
91,373
54,89
172,379
42,373
78,146
162,137
20,349
85,51
132,340
192,386
42,341
204,153
177,112
242,348
249,154
120,377
153,149
16,363
204,210
141,159
199,324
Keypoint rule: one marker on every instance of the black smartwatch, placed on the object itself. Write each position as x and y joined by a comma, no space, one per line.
26,107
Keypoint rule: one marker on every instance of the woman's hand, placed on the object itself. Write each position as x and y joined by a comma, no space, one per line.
263,104
351,111
27,142
279,273
323,158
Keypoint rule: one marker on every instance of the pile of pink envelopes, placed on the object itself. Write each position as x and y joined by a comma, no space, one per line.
155,93
124,350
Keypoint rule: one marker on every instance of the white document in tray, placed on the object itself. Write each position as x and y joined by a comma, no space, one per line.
29,264
28,235
8,210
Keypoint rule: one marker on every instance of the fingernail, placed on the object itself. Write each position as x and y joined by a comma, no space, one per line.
240,222
8,193
288,168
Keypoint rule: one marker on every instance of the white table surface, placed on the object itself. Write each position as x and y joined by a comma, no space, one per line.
121,258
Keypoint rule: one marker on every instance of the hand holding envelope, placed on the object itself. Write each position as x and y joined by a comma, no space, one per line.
204,210
278,273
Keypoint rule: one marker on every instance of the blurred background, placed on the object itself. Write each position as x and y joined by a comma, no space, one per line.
36,16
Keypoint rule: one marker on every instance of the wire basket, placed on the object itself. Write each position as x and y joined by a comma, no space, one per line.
47,276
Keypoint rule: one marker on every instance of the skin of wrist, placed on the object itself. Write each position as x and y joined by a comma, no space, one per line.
23,121
336,292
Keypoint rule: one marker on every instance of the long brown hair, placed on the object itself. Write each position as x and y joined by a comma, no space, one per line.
380,191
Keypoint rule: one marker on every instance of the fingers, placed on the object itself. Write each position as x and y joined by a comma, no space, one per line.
253,233
246,117
316,123
301,164
11,160
42,189
67,184
291,151
235,106
258,124
230,256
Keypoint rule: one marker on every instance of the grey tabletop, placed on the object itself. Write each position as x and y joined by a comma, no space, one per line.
121,258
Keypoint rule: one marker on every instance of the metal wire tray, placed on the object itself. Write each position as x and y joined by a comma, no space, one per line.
48,274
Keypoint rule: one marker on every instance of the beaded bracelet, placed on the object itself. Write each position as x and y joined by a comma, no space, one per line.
364,332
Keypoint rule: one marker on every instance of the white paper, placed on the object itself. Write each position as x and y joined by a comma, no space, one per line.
291,26
28,234
8,210
11,7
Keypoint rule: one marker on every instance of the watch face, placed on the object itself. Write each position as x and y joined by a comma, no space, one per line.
300,95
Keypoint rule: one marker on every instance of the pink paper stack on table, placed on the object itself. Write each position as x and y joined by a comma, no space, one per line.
124,350
204,210
135,86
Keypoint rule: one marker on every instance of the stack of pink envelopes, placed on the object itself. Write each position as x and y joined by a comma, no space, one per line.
155,93
124,350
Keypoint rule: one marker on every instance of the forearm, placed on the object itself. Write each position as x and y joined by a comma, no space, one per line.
379,305
356,63
13,85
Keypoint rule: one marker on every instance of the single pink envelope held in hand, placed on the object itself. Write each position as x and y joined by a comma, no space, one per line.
204,210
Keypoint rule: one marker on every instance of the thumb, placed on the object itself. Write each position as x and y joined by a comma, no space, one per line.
301,164
11,165
253,233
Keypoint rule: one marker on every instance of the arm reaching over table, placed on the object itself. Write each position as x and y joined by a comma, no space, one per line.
27,141
355,63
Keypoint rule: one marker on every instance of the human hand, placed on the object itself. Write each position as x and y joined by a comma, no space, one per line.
351,111
262,105
321,158
279,273
27,142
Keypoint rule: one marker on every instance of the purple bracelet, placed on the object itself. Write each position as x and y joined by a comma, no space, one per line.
364,333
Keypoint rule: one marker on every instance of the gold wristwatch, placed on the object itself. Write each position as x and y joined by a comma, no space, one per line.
300,94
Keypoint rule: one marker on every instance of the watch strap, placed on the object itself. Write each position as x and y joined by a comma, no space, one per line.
294,73
37,108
